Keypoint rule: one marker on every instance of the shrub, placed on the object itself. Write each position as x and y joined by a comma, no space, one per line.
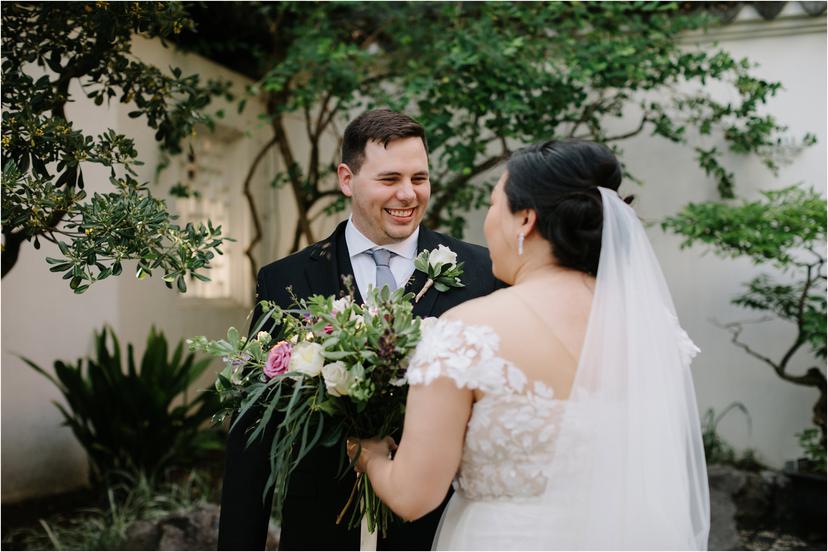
139,418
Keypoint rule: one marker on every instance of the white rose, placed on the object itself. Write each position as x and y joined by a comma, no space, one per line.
442,256
341,304
307,359
337,378
263,337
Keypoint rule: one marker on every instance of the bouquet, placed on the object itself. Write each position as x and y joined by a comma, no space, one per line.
336,370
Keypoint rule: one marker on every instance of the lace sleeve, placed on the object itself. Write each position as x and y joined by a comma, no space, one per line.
466,354
687,349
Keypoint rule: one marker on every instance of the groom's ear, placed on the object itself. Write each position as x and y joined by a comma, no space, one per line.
346,177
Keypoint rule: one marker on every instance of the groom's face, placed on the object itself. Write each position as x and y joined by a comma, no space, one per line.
390,193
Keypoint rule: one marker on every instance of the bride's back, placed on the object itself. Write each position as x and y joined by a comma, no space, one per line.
541,324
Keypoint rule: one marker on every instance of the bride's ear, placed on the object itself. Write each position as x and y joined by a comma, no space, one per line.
527,218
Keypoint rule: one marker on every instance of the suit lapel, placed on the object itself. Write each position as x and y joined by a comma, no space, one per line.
329,261
426,240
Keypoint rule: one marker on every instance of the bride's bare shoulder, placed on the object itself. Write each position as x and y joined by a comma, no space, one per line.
482,310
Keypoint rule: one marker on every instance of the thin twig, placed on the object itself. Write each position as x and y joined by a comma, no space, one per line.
630,134
251,204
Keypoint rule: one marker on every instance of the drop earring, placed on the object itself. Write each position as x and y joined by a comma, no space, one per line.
521,237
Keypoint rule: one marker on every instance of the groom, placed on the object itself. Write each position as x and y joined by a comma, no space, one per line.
384,171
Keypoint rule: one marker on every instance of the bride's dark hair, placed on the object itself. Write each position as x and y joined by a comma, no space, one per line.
559,180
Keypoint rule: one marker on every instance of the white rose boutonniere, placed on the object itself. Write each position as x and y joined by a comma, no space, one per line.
441,267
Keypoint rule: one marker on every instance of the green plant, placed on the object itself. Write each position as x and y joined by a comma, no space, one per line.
784,230
132,419
135,497
51,51
809,440
716,450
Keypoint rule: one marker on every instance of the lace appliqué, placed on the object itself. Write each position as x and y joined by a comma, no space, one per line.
512,429
687,349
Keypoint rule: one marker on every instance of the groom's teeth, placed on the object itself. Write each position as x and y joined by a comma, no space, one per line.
400,212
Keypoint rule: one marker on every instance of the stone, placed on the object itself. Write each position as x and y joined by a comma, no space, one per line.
195,529
724,534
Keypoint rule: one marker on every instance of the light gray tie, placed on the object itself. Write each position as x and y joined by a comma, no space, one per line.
384,275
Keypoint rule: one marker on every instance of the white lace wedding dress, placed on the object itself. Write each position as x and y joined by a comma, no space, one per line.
617,465
510,439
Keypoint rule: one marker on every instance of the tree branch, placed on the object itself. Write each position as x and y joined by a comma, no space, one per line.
630,134
736,329
290,161
11,250
297,237
251,204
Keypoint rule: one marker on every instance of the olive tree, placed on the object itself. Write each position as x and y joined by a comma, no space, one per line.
48,46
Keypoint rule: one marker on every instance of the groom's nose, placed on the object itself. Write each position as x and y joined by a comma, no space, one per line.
406,191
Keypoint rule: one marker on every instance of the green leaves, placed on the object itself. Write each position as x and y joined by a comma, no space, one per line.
785,229
780,229
127,225
43,155
125,417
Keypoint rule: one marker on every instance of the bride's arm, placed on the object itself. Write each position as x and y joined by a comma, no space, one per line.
417,479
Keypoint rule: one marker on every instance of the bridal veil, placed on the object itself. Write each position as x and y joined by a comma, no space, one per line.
630,467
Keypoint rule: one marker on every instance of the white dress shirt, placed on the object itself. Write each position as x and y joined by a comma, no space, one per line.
365,270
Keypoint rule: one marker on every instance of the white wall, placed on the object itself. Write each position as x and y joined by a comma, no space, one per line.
793,51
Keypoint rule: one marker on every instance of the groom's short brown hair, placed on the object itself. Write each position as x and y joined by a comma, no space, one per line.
378,125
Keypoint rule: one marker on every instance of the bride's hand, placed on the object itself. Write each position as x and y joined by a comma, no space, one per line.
369,449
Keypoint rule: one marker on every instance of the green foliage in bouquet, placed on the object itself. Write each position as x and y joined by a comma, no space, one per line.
132,419
785,230
338,371
54,52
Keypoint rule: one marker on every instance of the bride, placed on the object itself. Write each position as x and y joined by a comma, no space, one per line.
562,407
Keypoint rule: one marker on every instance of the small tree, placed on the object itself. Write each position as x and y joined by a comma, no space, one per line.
482,78
784,230
44,154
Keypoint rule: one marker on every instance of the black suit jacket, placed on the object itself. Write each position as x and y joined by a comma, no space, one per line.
316,492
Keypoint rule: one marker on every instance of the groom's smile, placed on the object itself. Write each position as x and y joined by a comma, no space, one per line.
401,216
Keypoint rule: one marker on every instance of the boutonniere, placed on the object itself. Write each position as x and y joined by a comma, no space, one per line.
441,267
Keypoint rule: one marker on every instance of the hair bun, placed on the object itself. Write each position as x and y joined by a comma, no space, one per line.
573,224
559,180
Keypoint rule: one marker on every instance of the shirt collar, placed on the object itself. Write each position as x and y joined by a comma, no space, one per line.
358,243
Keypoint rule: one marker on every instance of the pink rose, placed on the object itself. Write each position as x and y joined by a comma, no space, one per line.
278,359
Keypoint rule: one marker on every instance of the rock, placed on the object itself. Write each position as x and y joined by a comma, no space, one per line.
195,529
142,535
725,482
724,534
754,511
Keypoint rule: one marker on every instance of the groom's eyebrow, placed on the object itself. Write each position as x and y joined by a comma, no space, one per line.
397,174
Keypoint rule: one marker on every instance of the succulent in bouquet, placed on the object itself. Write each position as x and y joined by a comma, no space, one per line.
335,369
